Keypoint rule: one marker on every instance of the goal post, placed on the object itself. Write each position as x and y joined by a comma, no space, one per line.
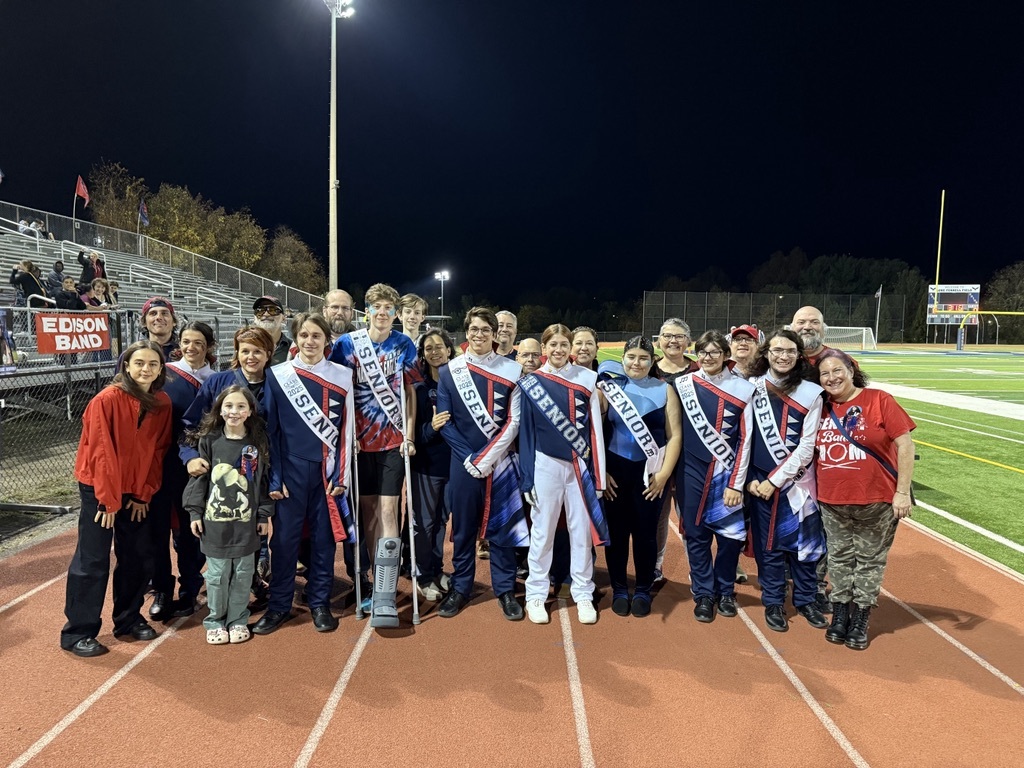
850,337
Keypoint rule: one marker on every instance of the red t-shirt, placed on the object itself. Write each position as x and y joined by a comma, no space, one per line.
850,476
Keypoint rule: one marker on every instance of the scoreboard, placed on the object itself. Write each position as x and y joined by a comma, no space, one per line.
947,304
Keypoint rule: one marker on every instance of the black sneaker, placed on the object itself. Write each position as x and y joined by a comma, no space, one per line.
510,606
704,610
641,606
775,618
727,606
453,602
620,606
814,617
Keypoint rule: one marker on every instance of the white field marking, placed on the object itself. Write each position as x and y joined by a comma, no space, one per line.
947,417
31,592
995,565
973,527
327,713
579,710
956,644
966,429
830,725
45,740
963,402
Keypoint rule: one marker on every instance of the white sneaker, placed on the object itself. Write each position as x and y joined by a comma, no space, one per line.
537,612
586,612
429,590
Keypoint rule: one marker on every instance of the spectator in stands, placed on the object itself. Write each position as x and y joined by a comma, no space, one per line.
126,429
508,325
339,311
93,266
114,288
101,290
24,227
68,297
411,310
269,314
23,277
529,355
41,231
160,322
55,279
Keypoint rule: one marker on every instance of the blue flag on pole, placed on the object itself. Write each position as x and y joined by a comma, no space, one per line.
143,213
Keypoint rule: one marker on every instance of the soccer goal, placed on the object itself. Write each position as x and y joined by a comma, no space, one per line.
850,338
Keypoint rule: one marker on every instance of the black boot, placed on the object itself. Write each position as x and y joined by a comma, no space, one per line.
857,634
836,632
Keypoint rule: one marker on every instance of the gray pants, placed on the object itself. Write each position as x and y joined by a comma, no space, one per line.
859,539
227,591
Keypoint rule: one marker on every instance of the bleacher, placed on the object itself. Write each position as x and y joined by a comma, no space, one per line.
200,289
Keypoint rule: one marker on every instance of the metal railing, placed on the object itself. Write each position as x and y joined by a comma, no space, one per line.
155,275
98,237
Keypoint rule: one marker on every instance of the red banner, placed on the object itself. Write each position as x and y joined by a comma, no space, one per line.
79,332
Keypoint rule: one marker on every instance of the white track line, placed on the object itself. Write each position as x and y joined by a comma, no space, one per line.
965,429
833,730
45,740
31,592
956,643
995,565
973,527
327,713
579,710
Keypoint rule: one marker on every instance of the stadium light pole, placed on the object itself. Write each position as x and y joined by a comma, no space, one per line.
441,277
340,9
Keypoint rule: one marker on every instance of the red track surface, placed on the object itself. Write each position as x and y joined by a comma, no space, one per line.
478,690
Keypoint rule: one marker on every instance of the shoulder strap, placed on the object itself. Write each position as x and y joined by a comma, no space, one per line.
842,430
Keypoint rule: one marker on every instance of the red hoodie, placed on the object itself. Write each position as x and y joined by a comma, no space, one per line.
116,455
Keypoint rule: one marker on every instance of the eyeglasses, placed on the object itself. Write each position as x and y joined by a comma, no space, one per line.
530,355
742,340
713,355
475,331
672,337
783,352
263,311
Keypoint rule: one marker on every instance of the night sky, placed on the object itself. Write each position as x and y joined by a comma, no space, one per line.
593,144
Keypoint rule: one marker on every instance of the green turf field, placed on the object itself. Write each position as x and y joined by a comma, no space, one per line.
971,462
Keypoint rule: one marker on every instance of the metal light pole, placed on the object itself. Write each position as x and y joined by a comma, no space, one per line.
340,9
441,277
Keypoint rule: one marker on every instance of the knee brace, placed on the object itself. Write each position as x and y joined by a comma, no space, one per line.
385,583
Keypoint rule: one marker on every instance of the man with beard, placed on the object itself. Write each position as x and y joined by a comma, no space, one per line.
506,338
269,314
339,313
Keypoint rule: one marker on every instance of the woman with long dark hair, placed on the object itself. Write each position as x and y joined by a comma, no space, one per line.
126,429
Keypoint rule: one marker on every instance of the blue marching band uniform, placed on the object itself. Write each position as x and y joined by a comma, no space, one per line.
483,487
715,456
311,423
787,528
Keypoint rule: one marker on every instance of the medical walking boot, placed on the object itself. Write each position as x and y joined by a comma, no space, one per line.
384,613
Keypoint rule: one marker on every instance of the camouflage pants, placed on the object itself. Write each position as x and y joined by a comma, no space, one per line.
859,538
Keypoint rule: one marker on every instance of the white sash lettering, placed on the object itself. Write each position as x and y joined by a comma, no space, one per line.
711,437
638,429
470,396
382,392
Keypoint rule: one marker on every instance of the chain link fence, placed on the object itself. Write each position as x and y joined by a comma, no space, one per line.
722,311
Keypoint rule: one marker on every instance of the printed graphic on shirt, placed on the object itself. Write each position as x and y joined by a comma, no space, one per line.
836,451
229,495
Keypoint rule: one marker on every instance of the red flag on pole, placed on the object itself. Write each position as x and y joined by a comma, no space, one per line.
82,192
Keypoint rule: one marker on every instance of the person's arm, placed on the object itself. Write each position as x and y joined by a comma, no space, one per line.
488,457
99,423
901,501
673,444
803,454
198,488
459,445
163,434
597,442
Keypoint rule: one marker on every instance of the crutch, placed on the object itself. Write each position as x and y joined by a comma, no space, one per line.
354,500
411,511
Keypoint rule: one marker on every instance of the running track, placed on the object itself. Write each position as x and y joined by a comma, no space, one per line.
941,684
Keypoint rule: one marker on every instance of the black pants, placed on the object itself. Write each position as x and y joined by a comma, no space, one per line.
186,545
630,515
90,570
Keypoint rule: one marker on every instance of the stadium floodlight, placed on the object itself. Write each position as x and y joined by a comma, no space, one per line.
441,277
340,9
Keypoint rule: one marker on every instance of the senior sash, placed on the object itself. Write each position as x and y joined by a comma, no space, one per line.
535,389
638,429
795,518
727,521
504,521
319,423
386,398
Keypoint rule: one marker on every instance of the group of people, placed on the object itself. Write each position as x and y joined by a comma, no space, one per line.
327,437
